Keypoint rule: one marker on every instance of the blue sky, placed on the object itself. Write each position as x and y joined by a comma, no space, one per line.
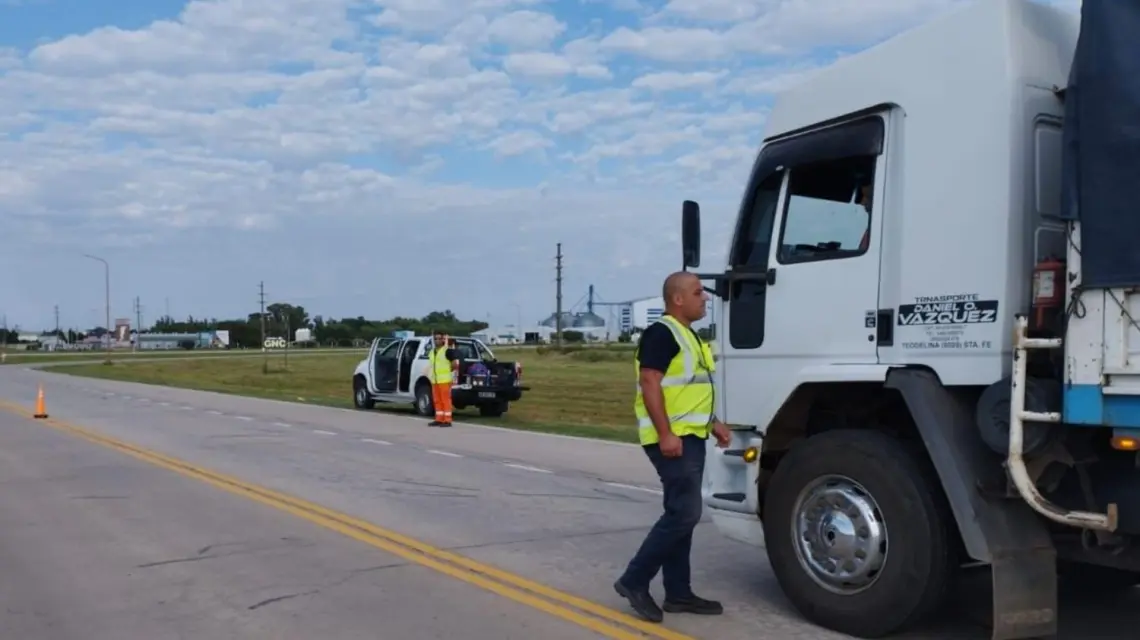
383,157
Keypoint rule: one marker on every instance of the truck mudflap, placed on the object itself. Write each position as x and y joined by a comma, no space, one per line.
1002,532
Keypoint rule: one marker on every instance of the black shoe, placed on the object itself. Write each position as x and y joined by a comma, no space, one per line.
445,424
693,604
435,423
641,602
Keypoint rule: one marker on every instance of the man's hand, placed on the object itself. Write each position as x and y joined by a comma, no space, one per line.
722,434
671,445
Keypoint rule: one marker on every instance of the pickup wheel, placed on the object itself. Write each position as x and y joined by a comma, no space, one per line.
360,397
493,410
424,405
858,534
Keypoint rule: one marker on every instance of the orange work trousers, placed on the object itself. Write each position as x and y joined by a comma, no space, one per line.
441,399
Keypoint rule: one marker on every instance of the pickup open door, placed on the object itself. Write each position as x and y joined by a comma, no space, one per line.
386,368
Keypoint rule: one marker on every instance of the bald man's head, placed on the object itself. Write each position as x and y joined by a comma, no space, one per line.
684,296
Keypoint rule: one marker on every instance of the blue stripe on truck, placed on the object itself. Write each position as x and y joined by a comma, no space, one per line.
1088,405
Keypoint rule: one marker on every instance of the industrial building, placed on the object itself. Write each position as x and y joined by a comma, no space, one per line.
628,317
203,340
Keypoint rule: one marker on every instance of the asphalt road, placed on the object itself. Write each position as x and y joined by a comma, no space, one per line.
172,554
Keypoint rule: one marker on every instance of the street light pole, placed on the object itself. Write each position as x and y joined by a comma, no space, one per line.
106,301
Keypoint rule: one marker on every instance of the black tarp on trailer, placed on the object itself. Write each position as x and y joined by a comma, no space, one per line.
1101,161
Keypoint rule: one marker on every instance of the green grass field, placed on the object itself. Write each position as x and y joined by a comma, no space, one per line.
588,392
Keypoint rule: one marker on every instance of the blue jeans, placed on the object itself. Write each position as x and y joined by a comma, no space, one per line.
667,546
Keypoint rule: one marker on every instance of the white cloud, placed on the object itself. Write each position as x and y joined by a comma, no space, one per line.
331,147
525,29
676,81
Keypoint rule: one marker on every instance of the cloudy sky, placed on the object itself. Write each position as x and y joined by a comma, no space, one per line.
383,157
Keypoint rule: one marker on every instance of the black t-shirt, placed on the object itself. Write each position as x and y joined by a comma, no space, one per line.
658,347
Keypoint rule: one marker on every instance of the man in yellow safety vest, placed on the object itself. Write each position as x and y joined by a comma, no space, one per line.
440,362
674,410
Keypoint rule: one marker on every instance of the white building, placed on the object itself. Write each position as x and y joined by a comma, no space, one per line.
640,313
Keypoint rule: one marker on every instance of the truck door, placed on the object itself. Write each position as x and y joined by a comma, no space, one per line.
386,367
802,287
407,357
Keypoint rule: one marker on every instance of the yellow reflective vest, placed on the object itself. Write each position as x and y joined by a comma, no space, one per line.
687,387
440,366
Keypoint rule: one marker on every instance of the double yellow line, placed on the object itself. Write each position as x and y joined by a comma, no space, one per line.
590,615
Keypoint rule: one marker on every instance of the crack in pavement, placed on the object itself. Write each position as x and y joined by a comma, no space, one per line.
354,573
609,497
551,538
202,554
281,598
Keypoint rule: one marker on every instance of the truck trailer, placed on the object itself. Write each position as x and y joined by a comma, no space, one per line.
929,351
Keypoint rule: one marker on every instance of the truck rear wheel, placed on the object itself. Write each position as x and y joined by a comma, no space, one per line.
858,533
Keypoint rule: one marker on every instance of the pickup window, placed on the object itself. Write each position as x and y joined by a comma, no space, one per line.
467,351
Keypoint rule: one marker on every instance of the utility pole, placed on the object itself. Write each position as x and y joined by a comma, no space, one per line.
138,324
264,351
57,320
3,338
287,341
558,298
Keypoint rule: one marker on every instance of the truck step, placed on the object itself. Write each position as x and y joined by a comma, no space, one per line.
731,497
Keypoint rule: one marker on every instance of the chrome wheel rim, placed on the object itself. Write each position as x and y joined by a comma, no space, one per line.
840,535
360,397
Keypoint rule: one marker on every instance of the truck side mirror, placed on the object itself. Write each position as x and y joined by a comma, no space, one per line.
690,234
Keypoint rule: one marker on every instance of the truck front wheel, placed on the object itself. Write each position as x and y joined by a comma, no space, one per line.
858,533
360,397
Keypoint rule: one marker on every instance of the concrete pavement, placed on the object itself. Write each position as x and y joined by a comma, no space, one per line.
561,511
95,545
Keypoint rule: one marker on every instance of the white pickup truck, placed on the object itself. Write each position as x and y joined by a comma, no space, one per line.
398,371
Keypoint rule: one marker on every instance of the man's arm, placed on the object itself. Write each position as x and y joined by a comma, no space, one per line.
654,353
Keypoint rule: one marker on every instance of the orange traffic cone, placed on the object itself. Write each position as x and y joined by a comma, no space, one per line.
41,410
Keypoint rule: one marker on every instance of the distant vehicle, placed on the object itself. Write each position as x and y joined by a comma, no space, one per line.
397,370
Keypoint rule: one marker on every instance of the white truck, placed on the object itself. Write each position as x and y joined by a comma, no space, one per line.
928,339
397,370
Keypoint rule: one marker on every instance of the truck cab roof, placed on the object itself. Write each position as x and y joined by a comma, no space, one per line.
912,70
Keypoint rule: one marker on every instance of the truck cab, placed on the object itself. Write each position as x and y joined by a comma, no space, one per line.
899,352
399,371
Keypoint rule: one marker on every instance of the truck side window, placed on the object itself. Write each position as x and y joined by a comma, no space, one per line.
826,214
754,239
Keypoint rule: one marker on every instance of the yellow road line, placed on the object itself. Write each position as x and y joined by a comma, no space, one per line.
601,619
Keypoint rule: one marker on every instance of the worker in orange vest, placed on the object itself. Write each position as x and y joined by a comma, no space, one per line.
440,361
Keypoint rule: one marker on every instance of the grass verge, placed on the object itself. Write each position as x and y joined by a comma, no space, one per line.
584,392
66,357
